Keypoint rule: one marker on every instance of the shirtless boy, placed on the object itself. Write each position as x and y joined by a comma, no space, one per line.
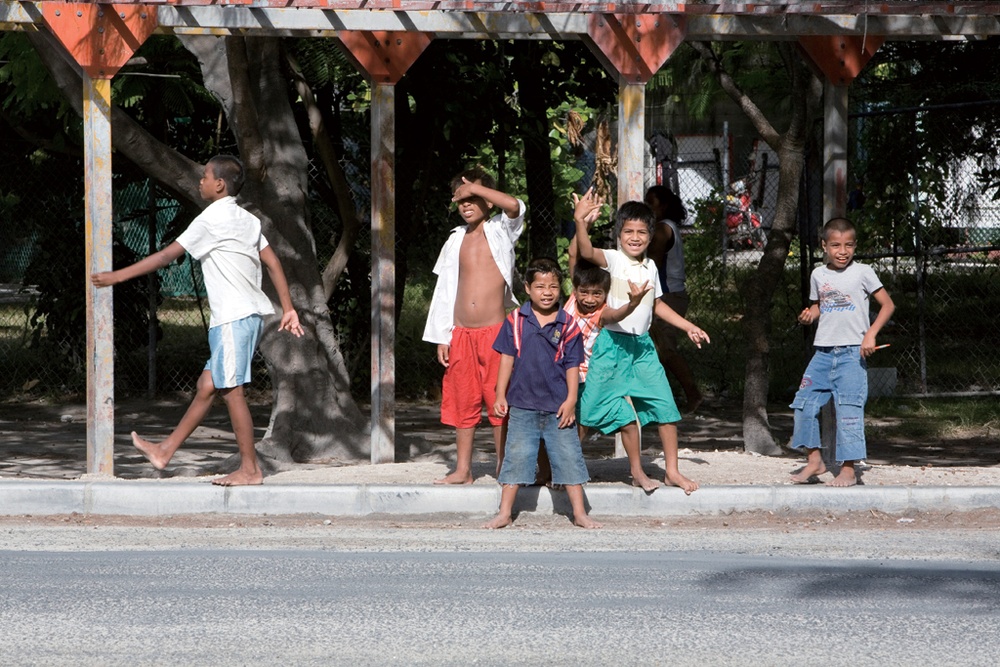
474,290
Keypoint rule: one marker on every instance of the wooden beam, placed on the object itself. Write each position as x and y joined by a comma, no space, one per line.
100,38
100,317
634,47
384,56
383,308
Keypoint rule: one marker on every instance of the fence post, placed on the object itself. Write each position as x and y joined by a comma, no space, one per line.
152,287
100,318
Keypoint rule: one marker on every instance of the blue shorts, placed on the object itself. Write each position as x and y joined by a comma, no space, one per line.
232,345
524,430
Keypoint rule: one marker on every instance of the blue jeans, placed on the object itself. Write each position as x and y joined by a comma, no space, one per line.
842,374
524,429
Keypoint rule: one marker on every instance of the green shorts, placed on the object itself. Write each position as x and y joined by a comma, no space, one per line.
623,365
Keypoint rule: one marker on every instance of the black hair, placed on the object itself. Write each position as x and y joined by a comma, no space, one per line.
837,225
230,169
673,207
473,175
634,210
539,266
588,274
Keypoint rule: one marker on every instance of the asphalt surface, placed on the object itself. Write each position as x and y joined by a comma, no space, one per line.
448,608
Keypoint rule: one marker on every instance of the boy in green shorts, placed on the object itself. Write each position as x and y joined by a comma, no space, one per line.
624,364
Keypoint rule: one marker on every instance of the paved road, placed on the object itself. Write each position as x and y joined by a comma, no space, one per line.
170,600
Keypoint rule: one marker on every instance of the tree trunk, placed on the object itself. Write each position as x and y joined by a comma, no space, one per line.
537,152
313,416
759,292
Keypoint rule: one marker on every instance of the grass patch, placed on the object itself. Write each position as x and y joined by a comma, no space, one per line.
945,418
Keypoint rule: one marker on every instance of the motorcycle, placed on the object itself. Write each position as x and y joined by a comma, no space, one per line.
744,225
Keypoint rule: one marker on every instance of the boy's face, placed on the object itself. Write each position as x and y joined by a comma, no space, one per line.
634,238
543,292
839,248
210,187
472,209
589,298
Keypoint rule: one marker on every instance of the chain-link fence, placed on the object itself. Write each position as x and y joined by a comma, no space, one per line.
927,222
924,197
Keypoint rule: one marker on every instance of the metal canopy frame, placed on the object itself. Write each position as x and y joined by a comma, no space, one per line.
631,39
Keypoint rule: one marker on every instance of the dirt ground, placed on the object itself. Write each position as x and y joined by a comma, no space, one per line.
48,441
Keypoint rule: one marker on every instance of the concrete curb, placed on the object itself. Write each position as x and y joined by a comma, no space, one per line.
40,498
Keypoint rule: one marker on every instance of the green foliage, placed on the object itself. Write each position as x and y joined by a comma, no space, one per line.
58,319
926,143
716,284
757,66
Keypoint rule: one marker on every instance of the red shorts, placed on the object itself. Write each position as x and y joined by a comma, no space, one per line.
471,377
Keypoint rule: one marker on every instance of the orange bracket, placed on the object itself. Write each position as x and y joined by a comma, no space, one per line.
384,56
101,38
635,46
841,57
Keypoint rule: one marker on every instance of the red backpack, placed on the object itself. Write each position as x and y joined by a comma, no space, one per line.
517,323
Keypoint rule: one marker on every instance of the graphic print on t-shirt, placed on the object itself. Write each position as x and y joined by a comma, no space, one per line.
832,300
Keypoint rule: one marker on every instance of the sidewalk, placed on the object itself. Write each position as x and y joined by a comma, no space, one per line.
43,458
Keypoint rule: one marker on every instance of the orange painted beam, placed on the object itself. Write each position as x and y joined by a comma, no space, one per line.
384,56
635,46
101,38
841,57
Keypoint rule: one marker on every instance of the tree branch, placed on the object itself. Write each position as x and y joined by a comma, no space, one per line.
729,85
246,121
335,173
171,169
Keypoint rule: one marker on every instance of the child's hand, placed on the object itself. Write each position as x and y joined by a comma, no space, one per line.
290,323
588,207
567,414
500,407
867,344
103,279
464,191
697,336
806,316
637,292
443,354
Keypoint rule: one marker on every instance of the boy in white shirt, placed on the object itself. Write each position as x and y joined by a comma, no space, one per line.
228,242
624,364
841,291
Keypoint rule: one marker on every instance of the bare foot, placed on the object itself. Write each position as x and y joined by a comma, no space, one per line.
847,477
585,522
644,482
676,479
151,451
455,478
240,478
499,521
809,471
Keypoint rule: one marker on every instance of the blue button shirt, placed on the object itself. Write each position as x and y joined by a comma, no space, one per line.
538,381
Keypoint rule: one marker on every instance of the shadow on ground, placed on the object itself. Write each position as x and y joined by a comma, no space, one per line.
42,440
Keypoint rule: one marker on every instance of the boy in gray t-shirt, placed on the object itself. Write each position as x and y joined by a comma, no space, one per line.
840,291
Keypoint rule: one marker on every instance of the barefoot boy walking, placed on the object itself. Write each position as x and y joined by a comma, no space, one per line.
474,290
841,291
227,240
